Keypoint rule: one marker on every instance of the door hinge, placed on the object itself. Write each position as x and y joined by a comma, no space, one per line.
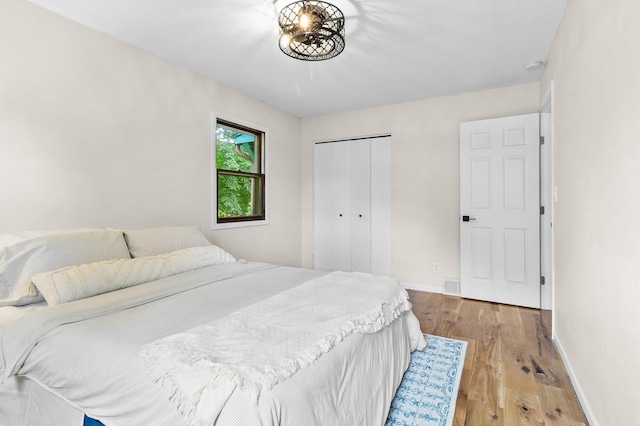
541,209
542,280
541,140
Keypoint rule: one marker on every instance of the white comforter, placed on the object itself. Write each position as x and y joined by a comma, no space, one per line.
87,352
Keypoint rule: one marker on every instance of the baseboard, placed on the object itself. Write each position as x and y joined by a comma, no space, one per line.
422,287
574,382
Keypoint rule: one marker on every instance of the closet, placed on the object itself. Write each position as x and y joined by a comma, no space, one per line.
352,205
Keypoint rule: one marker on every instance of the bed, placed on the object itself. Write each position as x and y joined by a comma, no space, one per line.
160,327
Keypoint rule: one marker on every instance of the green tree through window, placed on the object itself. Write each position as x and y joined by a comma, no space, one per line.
240,176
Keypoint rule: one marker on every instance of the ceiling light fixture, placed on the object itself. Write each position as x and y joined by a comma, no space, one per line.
311,30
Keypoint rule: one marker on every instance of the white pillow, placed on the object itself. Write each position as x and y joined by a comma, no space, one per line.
79,282
21,261
154,241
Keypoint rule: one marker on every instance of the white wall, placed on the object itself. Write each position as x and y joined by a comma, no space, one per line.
425,172
595,64
94,132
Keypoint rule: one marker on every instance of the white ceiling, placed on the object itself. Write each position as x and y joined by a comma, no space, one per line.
396,50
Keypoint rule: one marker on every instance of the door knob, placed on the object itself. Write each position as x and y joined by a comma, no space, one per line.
467,218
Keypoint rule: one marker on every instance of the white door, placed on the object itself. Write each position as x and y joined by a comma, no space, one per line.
381,206
332,207
360,205
352,206
500,210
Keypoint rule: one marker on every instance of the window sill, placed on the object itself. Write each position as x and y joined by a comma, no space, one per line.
240,224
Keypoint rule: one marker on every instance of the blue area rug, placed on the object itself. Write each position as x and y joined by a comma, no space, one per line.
428,392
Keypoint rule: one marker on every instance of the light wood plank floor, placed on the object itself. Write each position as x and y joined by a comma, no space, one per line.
512,374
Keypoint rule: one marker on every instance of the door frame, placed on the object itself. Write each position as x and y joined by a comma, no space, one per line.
548,198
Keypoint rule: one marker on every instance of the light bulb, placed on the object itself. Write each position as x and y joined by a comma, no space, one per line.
285,39
304,21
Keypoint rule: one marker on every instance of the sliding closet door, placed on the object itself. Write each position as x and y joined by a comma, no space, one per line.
381,206
352,206
323,206
341,190
360,204
332,193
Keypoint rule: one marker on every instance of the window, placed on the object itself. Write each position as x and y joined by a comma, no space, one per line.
240,178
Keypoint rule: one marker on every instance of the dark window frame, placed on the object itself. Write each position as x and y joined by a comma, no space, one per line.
259,196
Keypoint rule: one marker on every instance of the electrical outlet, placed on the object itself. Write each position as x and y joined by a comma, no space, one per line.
436,267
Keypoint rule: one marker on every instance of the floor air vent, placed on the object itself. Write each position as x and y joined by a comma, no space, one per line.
452,287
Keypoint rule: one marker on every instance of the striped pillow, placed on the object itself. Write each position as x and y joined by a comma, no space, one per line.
82,281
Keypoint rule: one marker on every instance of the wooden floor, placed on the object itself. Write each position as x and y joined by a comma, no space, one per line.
512,374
